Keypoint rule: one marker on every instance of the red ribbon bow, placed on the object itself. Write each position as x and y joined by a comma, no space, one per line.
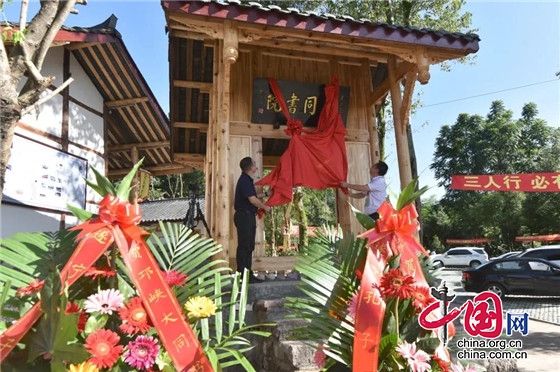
294,127
117,222
395,229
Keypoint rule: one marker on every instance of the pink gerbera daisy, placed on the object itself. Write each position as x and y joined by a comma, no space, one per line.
460,368
417,359
105,301
174,278
141,353
320,356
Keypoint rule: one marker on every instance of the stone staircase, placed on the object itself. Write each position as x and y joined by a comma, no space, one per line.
277,353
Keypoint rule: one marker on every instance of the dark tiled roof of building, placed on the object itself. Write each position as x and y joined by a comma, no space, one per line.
173,210
292,18
134,116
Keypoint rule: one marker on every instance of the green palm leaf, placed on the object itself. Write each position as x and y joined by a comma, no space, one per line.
329,280
177,248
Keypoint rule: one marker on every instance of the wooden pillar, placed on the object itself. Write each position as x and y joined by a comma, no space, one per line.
228,49
405,171
371,115
256,154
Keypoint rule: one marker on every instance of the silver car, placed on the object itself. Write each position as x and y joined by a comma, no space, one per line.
461,256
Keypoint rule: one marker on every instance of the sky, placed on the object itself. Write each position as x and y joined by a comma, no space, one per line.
518,58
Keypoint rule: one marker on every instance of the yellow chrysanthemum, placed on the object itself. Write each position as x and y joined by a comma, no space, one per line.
200,307
83,367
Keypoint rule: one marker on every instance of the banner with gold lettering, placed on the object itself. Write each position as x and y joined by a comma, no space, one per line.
527,182
117,222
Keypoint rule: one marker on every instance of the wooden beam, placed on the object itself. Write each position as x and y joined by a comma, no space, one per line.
157,170
125,102
139,146
304,49
243,128
204,87
383,89
203,127
183,157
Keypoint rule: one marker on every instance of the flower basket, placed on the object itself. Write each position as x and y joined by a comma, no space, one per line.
107,295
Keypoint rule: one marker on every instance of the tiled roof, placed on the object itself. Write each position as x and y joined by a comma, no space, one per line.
292,18
134,116
173,210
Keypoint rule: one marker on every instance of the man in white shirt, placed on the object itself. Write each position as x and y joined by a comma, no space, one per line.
375,190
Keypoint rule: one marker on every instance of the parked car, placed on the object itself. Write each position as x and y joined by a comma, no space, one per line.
506,255
514,276
461,256
547,252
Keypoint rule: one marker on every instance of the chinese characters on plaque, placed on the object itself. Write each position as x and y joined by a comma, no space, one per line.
304,102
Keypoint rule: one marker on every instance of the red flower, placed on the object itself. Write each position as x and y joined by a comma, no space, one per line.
320,356
102,345
395,284
99,271
72,307
134,316
174,278
442,358
33,287
421,297
359,274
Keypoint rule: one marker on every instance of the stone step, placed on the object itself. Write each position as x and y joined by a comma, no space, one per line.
270,290
287,356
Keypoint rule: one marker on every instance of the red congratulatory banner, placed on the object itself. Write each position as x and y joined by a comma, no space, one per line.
535,182
467,241
538,238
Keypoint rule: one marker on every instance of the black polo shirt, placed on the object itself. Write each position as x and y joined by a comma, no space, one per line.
243,190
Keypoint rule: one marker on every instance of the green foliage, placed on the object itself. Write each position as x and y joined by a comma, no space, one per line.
55,340
526,145
329,280
318,209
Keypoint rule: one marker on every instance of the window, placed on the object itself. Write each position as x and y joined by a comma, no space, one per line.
458,252
508,266
538,266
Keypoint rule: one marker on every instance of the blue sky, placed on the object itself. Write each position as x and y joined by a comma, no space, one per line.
520,45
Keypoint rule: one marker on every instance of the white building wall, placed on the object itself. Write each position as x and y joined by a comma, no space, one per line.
85,128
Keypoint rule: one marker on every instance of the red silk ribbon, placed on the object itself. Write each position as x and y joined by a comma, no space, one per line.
117,222
394,229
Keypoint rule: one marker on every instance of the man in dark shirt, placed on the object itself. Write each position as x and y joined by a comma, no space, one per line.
246,205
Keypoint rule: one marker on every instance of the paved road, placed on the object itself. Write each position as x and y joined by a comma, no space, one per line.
542,344
545,309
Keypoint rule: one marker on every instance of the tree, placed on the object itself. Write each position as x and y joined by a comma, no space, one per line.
22,53
497,144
